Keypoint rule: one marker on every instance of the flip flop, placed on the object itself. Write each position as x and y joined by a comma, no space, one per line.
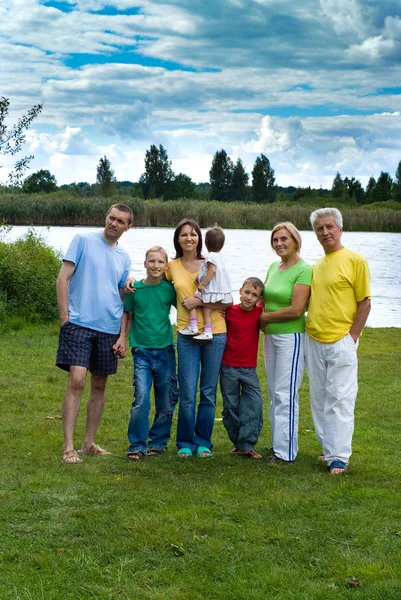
94,450
155,451
250,454
71,457
136,455
184,452
205,451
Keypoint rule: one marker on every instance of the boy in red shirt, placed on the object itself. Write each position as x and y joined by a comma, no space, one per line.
239,382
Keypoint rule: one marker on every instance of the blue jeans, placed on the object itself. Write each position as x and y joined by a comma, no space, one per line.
195,428
155,366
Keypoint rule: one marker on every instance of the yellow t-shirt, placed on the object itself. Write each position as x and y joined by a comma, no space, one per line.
340,280
184,285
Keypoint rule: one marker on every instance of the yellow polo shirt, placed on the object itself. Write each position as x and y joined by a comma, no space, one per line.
339,281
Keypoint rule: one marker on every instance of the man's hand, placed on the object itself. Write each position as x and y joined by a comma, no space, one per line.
129,285
120,347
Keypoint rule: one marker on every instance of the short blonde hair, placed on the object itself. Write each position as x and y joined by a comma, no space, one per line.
292,230
157,249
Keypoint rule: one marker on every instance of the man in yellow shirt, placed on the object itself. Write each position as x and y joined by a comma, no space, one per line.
338,310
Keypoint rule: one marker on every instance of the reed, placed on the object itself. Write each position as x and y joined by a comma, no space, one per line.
69,209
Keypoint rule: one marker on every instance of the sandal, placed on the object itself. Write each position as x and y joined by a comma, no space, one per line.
94,450
337,467
71,457
184,452
203,452
250,454
155,451
136,455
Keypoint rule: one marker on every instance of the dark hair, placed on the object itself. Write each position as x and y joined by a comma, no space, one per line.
194,225
123,208
254,282
214,239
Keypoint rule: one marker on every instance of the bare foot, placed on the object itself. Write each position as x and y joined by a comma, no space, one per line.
322,459
250,454
70,457
136,455
337,471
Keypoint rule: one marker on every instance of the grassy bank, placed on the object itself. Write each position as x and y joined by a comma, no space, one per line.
69,209
219,529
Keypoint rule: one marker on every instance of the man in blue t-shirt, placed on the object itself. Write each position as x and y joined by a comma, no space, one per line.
89,295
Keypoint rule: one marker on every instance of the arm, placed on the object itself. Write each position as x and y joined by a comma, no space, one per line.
193,302
300,297
120,347
128,287
211,272
360,318
66,272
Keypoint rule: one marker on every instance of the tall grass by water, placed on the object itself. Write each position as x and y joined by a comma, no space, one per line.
68,209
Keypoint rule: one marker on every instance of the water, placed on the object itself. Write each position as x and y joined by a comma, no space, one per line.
248,253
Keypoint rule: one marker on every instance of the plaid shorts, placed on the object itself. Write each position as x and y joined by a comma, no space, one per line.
84,347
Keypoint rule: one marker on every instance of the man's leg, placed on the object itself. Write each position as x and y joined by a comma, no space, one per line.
95,409
342,388
71,403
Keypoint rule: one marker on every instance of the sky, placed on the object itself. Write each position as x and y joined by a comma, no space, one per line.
315,85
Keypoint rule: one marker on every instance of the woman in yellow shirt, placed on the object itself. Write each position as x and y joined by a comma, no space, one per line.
195,359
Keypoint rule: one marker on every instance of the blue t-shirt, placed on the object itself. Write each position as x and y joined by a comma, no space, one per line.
93,291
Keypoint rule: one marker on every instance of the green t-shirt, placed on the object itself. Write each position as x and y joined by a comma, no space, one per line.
150,305
278,294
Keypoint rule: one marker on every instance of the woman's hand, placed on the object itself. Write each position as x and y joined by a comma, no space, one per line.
191,302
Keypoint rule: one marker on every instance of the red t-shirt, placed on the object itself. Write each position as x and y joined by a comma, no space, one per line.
242,337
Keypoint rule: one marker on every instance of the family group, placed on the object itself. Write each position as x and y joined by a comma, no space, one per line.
309,316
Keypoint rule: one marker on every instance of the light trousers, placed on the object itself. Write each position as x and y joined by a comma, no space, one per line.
333,379
284,360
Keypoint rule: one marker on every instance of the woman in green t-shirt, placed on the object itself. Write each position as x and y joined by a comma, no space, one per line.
286,294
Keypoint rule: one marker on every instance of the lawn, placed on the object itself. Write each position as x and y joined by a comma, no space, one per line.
225,528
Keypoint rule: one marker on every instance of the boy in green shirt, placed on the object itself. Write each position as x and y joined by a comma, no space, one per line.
147,319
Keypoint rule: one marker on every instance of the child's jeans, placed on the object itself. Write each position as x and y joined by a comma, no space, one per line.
242,405
157,366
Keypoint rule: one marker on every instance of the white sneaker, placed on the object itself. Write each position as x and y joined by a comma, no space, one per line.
204,337
189,330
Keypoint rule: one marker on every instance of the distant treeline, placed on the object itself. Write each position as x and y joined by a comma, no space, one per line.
66,209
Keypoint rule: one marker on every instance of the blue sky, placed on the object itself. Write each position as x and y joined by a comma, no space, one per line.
313,84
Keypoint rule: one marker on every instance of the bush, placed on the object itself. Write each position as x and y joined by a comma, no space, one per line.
28,273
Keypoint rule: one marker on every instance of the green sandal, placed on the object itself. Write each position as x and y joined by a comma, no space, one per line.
184,453
205,451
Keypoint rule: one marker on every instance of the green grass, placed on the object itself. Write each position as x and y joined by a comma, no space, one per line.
169,529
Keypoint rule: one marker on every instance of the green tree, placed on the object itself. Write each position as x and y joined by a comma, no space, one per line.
369,189
181,186
221,176
337,189
13,138
263,189
397,184
105,180
239,184
354,190
383,188
40,182
158,173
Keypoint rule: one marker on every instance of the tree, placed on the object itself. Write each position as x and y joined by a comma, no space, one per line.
239,184
354,189
181,186
13,138
158,173
337,189
369,189
105,179
221,176
383,188
41,181
397,184
263,189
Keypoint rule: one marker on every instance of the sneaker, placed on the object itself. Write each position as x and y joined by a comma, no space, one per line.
189,330
204,337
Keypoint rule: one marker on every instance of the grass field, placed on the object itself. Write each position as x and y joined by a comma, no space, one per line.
225,528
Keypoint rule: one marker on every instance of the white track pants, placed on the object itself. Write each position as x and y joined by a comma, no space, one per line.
333,379
284,360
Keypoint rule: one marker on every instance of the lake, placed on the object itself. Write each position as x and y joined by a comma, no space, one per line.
248,253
